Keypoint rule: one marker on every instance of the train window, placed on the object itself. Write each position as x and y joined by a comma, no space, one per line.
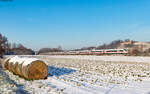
125,50
112,51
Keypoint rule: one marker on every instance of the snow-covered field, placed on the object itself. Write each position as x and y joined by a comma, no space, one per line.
86,75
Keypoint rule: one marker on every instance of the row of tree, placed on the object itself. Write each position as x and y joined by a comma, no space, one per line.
113,45
13,48
18,49
46,50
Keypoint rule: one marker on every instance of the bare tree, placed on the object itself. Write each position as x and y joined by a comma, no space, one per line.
20,46
3,44
14,45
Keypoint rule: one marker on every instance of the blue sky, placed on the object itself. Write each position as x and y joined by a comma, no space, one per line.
74,23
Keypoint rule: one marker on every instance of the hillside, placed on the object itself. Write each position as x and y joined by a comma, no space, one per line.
134,47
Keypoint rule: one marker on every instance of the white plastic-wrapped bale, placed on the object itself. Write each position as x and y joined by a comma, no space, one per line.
29,68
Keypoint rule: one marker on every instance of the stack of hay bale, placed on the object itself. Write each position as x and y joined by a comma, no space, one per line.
29,68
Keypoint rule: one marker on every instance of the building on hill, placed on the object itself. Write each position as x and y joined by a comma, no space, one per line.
126,43
137,48
142,46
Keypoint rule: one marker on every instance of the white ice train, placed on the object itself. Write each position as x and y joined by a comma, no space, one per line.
110,51
99,52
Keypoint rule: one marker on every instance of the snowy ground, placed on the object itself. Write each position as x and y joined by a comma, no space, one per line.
86,75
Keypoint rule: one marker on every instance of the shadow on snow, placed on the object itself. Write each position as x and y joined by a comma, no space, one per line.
55,71
20,88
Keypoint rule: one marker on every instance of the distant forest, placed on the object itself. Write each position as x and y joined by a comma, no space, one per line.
113,45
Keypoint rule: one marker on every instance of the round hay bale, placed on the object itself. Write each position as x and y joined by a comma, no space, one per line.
18,66
36,69
29,68
19,69
15,66
11,63
12,66
9,66
6,62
